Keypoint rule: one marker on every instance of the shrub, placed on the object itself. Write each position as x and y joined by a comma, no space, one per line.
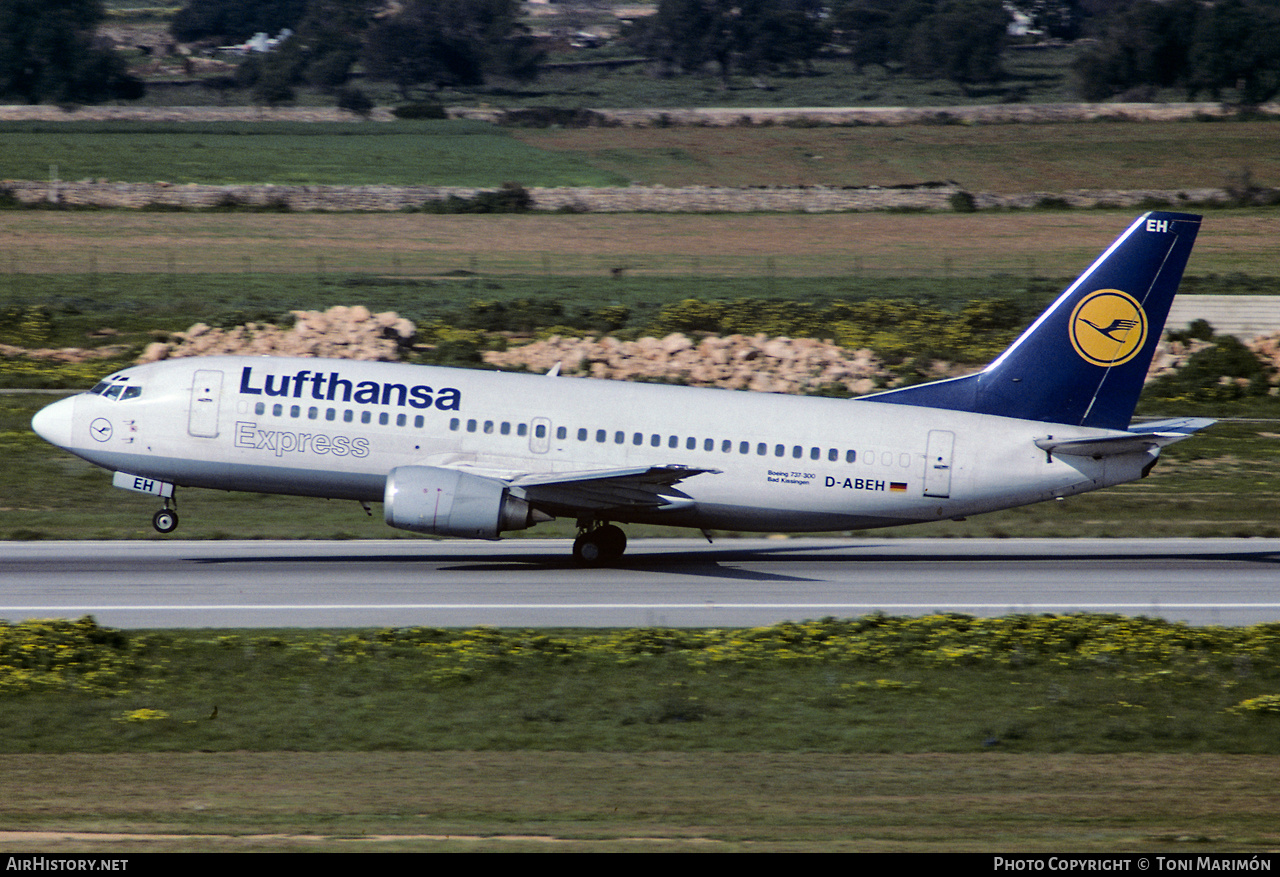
511,198
962,202
420,111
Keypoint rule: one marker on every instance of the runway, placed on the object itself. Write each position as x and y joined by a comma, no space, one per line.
664,582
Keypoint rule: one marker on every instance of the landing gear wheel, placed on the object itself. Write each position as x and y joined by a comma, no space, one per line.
612,540
587,551
599,546
165,521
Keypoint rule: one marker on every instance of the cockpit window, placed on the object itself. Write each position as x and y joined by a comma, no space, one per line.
118,392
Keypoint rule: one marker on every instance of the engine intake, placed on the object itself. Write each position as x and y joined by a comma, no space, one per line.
445,502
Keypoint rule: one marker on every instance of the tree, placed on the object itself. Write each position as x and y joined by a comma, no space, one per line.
47,53
1059,19
754,36
445,43
1200,47
1236,43
1144,45
234,21
959,40
323,48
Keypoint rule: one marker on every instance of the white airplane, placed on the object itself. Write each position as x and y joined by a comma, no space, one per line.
457,452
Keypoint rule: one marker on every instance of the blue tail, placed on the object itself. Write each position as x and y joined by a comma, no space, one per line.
1084,360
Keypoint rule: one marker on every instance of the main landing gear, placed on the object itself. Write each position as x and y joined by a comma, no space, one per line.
165,520
598,545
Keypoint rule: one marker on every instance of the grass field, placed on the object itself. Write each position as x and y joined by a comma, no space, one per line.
1014,245
1178,806
457,153
981,158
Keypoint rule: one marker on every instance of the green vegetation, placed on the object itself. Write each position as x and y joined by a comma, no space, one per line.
425,153
983,158
1081,683
48,53
1229,46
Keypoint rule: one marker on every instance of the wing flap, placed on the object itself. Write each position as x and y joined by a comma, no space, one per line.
641,487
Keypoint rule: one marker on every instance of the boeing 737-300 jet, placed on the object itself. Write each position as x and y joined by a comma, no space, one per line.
456,452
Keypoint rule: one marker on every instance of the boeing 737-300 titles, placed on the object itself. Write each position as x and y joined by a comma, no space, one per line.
456,452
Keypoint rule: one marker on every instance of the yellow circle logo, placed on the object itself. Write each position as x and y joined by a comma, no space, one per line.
1108,327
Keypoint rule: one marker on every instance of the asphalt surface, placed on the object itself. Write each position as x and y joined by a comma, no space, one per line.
666,582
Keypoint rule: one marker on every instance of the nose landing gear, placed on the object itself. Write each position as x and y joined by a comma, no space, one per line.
599,545
165,520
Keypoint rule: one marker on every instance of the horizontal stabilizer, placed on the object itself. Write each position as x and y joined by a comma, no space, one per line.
1140,438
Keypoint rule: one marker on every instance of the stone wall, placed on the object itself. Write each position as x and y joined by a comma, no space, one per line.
646,199
993,114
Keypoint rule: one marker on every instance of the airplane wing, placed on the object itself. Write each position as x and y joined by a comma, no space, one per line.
600,490
1142,437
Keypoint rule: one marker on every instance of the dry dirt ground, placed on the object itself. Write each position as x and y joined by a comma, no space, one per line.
981,158
988,801
1049,244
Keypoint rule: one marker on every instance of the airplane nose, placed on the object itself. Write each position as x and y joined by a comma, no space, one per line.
53,422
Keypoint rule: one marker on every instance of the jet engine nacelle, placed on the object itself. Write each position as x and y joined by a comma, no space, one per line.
427,499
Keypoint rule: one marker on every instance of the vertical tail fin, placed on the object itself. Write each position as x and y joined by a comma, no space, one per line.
1085,359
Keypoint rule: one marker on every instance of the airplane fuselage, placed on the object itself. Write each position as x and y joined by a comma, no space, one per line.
336,428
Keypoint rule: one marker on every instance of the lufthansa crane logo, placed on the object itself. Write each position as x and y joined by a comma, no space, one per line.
1108,327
